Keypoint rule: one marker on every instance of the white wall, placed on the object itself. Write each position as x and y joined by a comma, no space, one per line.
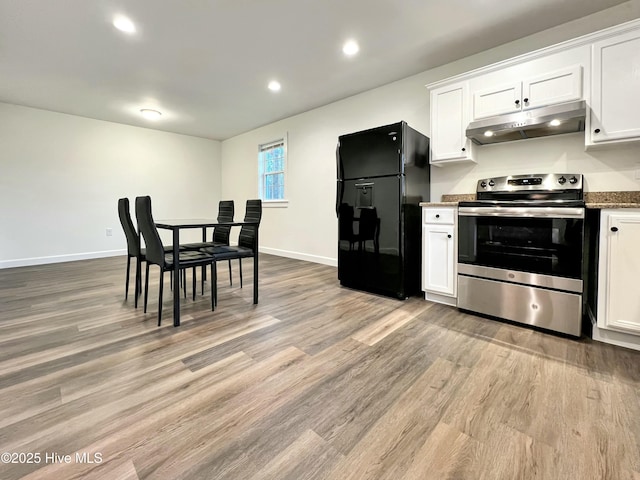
61,176
307,229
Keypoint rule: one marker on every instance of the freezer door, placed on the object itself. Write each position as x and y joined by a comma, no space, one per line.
371,153
370,236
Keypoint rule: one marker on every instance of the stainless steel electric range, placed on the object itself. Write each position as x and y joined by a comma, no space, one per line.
520,250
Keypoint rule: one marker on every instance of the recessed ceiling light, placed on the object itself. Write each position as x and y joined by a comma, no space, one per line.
350,48
488,133
274,86
554,123
124,24
150,114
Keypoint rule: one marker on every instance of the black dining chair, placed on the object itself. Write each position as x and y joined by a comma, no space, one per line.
134,250
368,228
133,247
155,253
221,233
345,225
246,243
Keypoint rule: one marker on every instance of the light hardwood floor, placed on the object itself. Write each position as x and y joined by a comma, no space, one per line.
315,382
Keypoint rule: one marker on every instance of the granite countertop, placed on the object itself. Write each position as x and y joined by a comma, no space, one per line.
598,200
594,200
450,200
438,204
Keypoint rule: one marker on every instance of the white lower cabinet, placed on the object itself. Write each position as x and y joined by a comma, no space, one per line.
439,252
618,306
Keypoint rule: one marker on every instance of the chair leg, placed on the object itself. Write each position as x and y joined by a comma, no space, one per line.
160,297
138,280
184,281
146,286
214,279
202,278
213,286
230,275
193,283
126,285
240,265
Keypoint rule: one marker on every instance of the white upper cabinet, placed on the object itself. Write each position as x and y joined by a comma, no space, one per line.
615,102
601,68
559,86
549,88
497,100
449,120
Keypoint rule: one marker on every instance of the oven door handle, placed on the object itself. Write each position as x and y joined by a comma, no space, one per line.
529,212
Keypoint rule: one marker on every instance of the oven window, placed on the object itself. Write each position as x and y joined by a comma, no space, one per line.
551,246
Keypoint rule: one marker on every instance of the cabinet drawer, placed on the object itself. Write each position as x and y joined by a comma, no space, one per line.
444,216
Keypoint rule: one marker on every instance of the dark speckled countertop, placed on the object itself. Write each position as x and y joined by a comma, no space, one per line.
629,199
596,200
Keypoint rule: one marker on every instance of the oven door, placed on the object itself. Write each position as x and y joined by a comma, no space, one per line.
542,240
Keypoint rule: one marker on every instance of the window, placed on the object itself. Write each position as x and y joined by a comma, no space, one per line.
272,171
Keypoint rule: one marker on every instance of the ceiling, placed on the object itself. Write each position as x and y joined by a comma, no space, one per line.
205,64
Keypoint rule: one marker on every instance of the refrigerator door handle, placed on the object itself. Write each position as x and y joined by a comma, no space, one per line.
340,185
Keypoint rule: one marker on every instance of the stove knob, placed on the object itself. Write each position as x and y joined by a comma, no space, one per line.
562,180
573,180
491,183
483,184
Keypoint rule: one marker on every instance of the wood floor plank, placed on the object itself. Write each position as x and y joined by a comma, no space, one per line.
447,454
378,330
315,382
391,445
309,457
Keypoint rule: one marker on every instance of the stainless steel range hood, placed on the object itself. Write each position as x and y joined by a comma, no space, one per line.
537,122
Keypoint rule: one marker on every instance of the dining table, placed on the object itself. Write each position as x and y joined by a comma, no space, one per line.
175,225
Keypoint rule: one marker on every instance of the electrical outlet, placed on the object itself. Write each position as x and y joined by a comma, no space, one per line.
636,174
109,232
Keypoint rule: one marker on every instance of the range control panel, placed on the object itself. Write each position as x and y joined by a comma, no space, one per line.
545,182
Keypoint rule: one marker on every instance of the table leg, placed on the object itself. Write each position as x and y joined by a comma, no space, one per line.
176,277
255,269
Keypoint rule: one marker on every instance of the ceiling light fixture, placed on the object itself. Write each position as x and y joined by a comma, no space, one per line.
350,48
554,123
124,24
274,86
150,114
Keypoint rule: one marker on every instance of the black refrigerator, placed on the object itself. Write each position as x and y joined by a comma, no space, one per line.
383,175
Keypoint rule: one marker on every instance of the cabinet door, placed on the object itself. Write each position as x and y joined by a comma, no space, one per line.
497,100
615,101
622,297
438,259
549,88
449,120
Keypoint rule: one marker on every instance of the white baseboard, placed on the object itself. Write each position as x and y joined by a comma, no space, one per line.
439,298
26,262
300,256
616,338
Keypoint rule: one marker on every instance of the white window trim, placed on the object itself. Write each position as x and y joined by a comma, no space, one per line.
280,203
275,203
